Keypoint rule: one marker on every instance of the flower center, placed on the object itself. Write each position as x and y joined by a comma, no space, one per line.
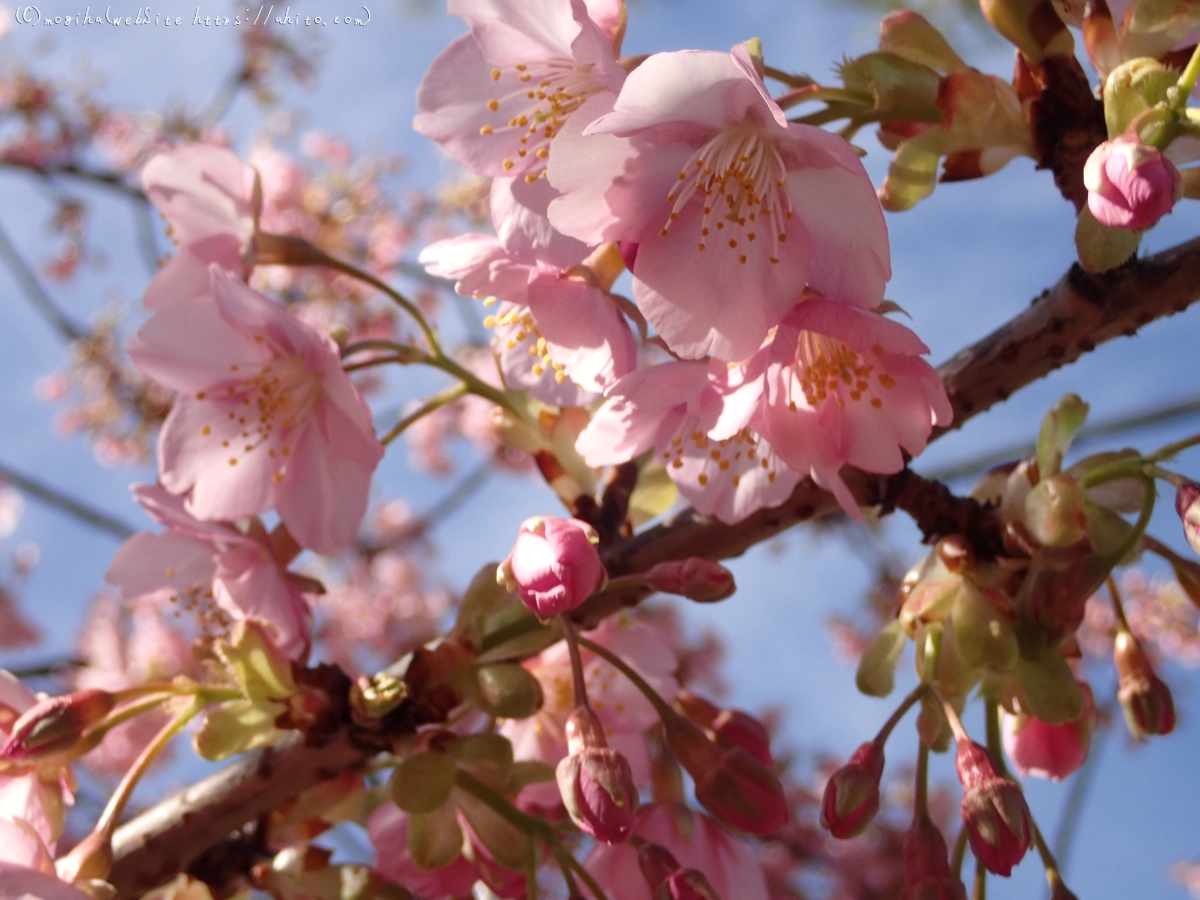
517,325
552,89
826,367
266,407
739,176
739,453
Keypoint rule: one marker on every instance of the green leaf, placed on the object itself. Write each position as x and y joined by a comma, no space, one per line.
876,674
422,782
1059,427
435,839
1101,248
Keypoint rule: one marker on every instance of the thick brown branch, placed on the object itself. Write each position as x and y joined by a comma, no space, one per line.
1076,315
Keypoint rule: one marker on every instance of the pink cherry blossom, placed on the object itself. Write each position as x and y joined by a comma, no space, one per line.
558,331
497,97
733,208
212,568
839,386
672,408
1050,751
266,417
696,841
1130,184
623,711
211,200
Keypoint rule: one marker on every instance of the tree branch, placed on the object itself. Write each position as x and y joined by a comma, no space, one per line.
1075,316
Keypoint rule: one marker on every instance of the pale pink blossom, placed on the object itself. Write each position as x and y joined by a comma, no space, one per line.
266,418
838,385
211,200
672,408
558,331
497,97
696,841
622,709
1050,751
734,209
210,567
1130,184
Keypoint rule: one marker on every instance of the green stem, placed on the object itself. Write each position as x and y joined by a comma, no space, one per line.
1179,446
437,401
951,714
885,732
995,744
584,875
1187,80
1149,494
125,713
959,853
979,890
1118,606
474,384
568,876
794,81
375,363
624,668
320,257
501,807
1048,860
921,800
107,823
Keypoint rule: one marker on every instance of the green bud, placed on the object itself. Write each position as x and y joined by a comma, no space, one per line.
909,35
422,782
876,674
1054,512
1132,88
1058,429
373,697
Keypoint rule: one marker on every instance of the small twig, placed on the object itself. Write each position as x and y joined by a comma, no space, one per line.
37,294
64,503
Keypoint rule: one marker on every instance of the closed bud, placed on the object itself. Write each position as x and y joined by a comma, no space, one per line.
554,565
1050,750
596,782
697,579
852,793
56,724
1130,184
927,874
734,728
374,696
1145,698
1187,504
994,811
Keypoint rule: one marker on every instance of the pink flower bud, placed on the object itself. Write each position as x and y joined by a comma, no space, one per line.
730,783
993,809
595,781
56,724
1144,697
670,881
927,874
1186,505
554,565
734,728
852,793
1050,751
697,579
1130,184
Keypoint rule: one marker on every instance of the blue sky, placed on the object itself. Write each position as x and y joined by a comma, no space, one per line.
964,262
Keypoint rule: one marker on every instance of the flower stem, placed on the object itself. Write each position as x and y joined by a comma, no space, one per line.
793,81
991,711
564,856
979,890
956,725
501,807
572,639
921,800
905,705
660,705
436,402
958,854
1118,606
